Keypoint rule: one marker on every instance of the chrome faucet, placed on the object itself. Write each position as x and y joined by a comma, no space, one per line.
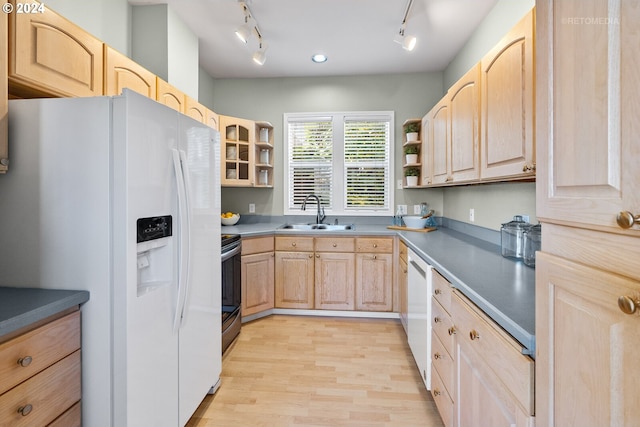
320,216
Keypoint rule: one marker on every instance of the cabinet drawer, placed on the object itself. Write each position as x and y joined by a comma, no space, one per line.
44,345
442,398
335,244
374,244
72,417
294,243
442,290
257,245
49,393
502,353
443,326
443,362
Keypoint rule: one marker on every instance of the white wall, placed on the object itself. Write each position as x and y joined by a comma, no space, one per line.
108,20
164,45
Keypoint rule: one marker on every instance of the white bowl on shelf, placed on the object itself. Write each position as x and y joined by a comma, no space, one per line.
415,221
230,221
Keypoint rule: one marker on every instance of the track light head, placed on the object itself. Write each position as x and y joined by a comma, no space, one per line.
260,55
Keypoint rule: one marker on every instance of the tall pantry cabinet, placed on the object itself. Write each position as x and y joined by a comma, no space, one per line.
588,192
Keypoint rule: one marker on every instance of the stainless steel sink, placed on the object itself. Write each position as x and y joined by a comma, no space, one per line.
318,227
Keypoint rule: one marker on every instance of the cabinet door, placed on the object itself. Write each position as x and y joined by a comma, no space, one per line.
294,279
441,142
481,399
334,281
258,278
426,152
464,106
213,120
508,104
587,364
374,278
237,137
4,96
121,72
588,112
195,110
169,95
51,56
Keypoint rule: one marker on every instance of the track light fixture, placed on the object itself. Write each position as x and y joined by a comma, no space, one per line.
408,42
250,27
259,56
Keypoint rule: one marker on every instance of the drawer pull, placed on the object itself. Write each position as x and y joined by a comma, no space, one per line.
375,245
474,335
317,255
437,356
293,244
310,256
25,410
628,305
451,330
335,245
437,291
436,320
25,361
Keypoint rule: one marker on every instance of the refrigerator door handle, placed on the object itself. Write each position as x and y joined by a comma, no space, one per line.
187,235
183,252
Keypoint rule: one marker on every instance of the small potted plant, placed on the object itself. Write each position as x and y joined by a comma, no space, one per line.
411,175
412,129
411,154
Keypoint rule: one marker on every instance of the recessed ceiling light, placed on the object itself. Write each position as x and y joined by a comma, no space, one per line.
319,58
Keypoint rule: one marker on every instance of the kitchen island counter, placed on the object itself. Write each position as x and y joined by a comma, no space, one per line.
22,307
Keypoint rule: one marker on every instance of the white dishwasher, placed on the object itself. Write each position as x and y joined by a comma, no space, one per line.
419,314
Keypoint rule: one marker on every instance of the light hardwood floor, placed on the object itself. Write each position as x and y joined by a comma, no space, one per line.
316,371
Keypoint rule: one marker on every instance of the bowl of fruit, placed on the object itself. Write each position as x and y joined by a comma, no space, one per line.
229,218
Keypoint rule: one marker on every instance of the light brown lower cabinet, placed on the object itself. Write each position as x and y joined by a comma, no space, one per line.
334,273
258,275
40,375
494,380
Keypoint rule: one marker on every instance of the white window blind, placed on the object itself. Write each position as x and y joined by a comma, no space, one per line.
343,158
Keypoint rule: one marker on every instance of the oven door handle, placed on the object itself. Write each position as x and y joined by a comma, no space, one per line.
233,252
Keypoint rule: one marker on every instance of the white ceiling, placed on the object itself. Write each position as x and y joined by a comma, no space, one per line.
356,35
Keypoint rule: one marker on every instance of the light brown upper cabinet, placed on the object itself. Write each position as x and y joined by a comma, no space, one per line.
121,72
440,138
195,110
508,138
213,120
464,116
237,138
50,56
169,95
4,96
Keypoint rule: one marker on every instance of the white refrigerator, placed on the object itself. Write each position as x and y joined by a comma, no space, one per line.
120,196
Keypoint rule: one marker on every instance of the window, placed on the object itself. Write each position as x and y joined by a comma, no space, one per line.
343,158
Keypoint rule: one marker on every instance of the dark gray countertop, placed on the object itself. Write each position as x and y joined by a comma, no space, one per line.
21,307
503,288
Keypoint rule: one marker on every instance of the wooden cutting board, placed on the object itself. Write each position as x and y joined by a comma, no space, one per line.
403,228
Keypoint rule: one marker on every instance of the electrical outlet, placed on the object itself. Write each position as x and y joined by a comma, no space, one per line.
472,215
417,209
403,209
252,208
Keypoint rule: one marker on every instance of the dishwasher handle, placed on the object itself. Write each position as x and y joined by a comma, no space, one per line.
418,268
